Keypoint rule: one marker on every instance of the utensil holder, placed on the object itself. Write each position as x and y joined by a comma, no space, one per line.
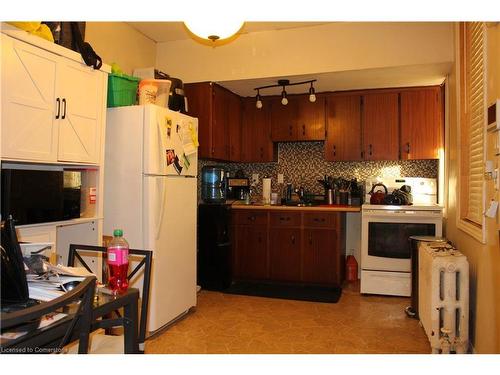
344,197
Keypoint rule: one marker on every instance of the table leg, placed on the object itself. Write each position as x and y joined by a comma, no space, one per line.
130,326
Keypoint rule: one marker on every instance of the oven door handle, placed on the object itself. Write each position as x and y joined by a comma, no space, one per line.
401,213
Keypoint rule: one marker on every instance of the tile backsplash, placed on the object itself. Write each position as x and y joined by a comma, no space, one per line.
302,163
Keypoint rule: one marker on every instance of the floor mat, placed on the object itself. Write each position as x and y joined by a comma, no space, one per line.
285,291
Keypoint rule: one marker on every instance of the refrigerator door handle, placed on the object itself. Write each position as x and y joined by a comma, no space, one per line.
161,189
161,140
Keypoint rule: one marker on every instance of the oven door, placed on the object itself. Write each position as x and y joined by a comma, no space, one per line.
385,234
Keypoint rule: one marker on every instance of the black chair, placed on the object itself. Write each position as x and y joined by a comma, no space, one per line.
76,325
75,253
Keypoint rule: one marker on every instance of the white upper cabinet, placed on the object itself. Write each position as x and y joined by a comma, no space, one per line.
81,92
29,128
52,106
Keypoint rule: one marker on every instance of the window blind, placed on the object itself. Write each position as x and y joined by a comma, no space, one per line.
473,120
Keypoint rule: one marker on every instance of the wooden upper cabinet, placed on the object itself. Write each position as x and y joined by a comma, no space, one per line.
219,120
256,143
199,96
220,128
234,124
283,118
343,122
299,120
381,126
311,119
422,129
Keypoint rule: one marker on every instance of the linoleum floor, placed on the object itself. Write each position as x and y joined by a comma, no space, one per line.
231,324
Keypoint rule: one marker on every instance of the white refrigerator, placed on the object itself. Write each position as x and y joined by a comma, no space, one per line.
151,165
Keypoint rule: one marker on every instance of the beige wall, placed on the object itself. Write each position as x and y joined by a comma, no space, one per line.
331,47
120,43
484,259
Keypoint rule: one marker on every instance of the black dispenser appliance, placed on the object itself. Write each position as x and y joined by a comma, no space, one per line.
213,187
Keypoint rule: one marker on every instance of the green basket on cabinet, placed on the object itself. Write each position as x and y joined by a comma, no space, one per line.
122,90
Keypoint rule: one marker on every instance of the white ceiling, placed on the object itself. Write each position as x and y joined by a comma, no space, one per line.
171,31
401,76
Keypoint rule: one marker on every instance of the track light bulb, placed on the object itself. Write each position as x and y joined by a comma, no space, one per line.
312,94
284,99
258,103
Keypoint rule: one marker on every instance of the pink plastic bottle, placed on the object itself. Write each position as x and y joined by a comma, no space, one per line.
118,262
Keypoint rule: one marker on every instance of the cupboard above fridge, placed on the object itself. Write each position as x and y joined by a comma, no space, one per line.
53,118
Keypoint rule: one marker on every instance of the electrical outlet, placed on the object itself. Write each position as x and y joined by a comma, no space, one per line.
255,179
280,178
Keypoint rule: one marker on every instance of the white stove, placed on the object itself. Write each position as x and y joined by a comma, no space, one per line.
385,230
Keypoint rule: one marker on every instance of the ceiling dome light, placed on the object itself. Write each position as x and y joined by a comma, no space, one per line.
312,94
284,99
213,30
258,103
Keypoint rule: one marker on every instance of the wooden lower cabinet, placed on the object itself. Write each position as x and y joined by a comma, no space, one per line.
250,250
284,254
299,247
320,256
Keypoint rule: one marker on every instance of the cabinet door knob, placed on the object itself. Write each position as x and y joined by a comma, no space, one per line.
293,239
64,109
407,147
370,149
303,129
334,151
58,101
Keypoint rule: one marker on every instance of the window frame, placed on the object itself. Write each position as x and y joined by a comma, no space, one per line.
477,231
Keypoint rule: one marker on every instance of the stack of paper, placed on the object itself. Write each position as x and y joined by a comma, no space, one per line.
56,283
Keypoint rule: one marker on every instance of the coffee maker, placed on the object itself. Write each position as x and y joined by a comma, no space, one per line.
238,188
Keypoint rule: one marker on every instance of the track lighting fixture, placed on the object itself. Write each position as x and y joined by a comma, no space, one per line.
284,99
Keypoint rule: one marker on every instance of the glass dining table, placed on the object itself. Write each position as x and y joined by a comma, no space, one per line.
45,339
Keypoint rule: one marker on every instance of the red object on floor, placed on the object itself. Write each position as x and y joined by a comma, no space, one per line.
351,268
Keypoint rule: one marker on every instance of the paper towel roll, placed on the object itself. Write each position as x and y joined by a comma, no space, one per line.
266,190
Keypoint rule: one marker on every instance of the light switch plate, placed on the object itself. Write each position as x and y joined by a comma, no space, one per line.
255,179
280,178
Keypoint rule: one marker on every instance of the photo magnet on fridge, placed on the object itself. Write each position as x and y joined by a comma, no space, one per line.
169,126
177,165
170,157
185,161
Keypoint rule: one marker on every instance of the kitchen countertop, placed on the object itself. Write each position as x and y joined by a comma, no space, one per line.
328,208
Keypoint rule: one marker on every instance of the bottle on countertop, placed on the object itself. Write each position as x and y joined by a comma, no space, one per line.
117,259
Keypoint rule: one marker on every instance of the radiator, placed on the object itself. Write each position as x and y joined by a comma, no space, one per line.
443,294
